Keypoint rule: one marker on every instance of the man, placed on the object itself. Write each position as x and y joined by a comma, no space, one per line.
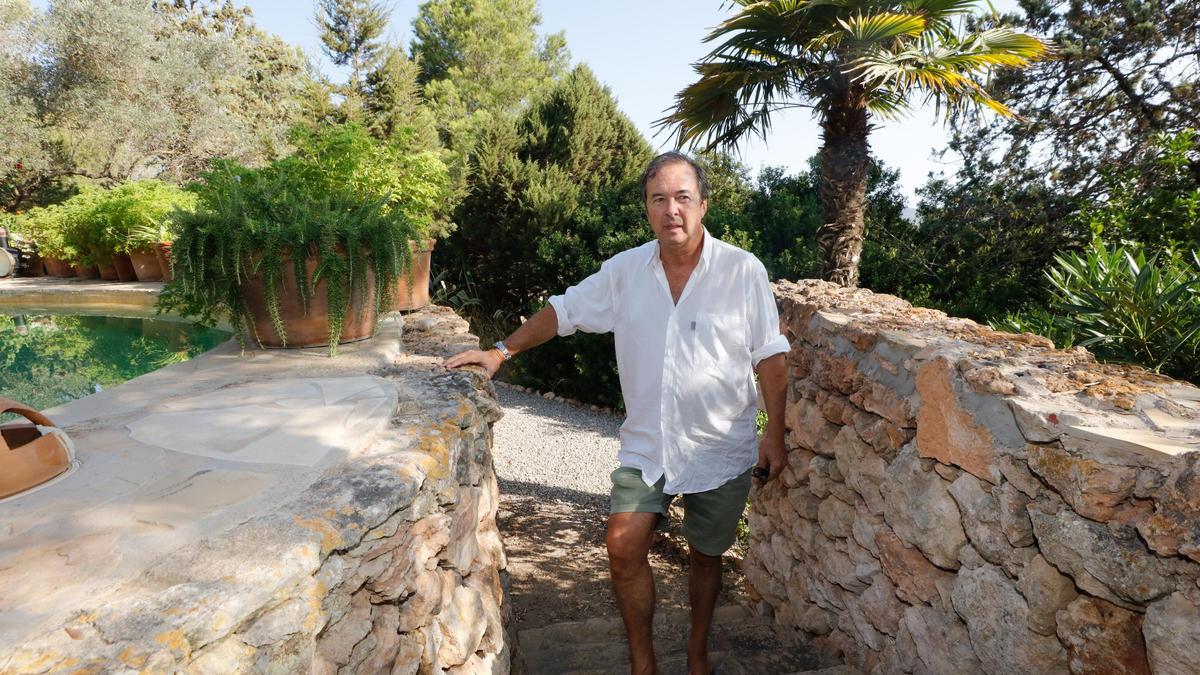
693,318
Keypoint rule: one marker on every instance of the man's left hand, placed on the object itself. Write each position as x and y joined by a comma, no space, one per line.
771,456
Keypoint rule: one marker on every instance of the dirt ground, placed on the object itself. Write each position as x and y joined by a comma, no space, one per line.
558,567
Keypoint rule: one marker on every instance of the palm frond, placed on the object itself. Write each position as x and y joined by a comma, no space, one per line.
873,29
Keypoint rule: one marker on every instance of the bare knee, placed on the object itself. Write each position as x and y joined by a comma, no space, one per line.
702,561
628,543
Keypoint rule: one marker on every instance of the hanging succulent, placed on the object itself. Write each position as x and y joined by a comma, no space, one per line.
265,233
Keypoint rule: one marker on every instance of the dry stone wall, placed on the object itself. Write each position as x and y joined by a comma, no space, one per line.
960,500
389,562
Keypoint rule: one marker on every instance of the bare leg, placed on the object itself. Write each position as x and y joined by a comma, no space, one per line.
704,585
628,544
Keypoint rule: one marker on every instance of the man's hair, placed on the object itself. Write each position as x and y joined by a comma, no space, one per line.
674,157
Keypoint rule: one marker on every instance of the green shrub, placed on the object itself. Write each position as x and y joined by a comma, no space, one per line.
1126,306
249,221
347,158
137,214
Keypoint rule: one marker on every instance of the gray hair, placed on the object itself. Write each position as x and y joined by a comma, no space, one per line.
674,157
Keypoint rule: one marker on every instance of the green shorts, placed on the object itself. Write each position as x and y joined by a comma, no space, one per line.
710,518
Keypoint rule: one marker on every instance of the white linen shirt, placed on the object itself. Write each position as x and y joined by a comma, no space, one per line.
686,369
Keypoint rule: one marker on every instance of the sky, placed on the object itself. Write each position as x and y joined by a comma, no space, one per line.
643,51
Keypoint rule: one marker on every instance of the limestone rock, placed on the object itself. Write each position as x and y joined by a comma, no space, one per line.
865,471
336,642
941,641
1094,489
946,431
492,596
427,598
807,428
1014,515
1102,638
889,404
463,547
919,508
1172,634
880,606
417,550
1046,591
1174,528
981,519
1108,562
995,614
836,517
461,625
914,576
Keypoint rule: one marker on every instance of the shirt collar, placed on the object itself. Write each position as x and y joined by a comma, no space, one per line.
705,251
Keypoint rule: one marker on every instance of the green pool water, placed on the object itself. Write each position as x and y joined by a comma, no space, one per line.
49,359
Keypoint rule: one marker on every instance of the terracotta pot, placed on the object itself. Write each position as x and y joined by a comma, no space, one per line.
108,271
311,329
56,267
87,272
412,289
124,267
145,265
28,457
162,251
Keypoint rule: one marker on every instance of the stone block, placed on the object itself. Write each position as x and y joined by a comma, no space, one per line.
1094,489
1110,562
1174,527
337,641
882,400
835,517
461,626
920,510
880,606
914,576
1014,515
1046,591
1102,638
995,614
981,520
416,550
864,471
492,595
948,432
1172,633
463,547
428,595
941,642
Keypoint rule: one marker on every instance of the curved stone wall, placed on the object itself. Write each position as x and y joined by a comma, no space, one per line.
272,511
960,500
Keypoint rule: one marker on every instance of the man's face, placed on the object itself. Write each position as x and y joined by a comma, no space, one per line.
674,207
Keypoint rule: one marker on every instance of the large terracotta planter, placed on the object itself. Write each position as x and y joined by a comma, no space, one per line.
309,329
56,267
162,251
124,267
29,456
108,271
88,271
412,289
145,265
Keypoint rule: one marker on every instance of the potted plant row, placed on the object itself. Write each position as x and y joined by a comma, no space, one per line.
110,234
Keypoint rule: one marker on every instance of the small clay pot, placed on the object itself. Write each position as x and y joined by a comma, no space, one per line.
87,271
145,265
162,251
33,268
108,271
124,267
57,267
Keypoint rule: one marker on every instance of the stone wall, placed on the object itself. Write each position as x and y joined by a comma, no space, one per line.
388,561
960,500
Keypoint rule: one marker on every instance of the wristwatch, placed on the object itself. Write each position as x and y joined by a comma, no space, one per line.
503,350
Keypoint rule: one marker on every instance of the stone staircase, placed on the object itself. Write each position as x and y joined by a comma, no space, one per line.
742,643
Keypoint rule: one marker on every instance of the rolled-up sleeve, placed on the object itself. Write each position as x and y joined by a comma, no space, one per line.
586,306
765,338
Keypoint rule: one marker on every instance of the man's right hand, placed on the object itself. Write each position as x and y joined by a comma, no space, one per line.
489,360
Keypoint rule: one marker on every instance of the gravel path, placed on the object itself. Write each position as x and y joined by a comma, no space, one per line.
552,450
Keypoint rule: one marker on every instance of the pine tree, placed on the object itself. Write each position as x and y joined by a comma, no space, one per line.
392,103
350,36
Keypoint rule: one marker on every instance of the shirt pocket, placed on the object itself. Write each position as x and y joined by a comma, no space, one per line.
720,380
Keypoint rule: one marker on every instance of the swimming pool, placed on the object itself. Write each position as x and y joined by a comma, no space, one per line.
48,359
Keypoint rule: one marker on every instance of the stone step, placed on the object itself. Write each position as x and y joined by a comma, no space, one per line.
741,642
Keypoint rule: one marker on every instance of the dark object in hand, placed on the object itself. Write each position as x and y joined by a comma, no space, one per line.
761,473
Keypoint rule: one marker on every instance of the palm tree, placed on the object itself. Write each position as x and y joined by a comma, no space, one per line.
847,60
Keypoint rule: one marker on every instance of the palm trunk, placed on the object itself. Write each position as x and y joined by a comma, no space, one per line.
845,159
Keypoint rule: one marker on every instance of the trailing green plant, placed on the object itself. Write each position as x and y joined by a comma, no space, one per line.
64,230
252,222
1126,306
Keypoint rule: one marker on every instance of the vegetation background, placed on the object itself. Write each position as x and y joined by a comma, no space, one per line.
1078,217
